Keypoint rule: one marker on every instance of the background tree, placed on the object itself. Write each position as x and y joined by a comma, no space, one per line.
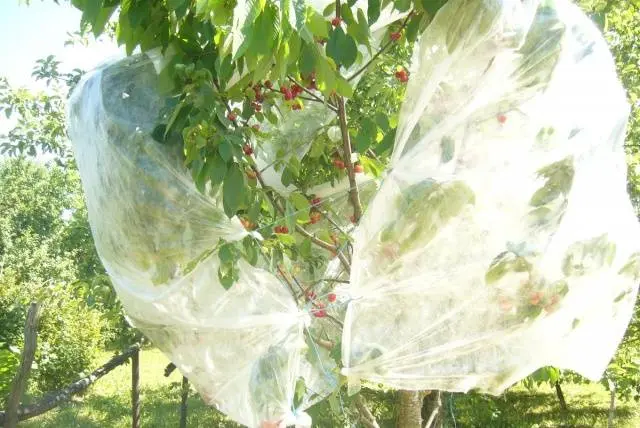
46,249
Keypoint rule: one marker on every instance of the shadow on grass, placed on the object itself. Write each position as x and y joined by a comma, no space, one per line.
160,407
519,409
530,409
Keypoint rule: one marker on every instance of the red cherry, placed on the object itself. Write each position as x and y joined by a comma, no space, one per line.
259,98
505,304
232,117
296,106
315,217
256,107
316,201
402,76
296,89
332,297
358,168
283,89
268,84
311,295
288,95
395,36
320,313
501,118
338,163
276,229
247,149
284,229
336,21
535,298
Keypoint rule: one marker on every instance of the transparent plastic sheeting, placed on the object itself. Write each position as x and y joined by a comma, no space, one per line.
243,349
503,238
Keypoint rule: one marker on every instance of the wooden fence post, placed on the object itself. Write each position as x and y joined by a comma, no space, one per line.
135,389
183,403
20,381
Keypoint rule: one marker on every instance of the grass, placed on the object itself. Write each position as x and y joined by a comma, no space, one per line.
107,404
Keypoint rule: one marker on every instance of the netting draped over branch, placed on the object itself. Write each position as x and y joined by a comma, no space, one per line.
243,349
501,240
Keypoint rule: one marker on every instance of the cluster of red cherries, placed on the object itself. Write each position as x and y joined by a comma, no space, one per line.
319,309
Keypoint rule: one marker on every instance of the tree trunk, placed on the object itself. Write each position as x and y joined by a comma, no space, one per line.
53,399
409,409
135,389
560,394
20,381
612,404
183,402
432,410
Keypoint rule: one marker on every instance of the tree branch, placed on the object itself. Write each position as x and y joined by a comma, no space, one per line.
301,230
354,194
367,418
381,50
53,399
20,381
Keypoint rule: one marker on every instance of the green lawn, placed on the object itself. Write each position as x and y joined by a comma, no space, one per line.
107,404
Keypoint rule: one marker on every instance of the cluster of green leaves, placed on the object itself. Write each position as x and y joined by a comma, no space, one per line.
41,257
226,64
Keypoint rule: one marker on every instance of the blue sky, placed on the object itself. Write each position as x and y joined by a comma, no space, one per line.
28,33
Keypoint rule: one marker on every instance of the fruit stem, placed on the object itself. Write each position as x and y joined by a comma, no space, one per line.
381,50
312,95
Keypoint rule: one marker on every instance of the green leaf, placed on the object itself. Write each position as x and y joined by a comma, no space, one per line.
226,150
307,61
233,190
305,248
402,5
432,6
360,29
344,88
300,391
347,15
299,201
218,170
387,142
382,120
286,238
448,147
342,48
318,26
373,11
251,250
290,218
175,4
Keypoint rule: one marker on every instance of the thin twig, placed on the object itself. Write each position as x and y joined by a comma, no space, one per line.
301,230
312,95
284,276
381,50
